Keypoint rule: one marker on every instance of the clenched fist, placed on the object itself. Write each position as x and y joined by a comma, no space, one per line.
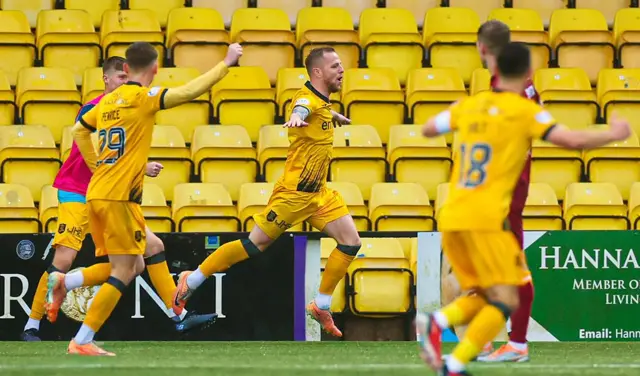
153,169
233,54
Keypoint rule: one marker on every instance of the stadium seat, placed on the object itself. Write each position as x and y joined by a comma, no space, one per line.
555,166
634,206
626,33
48,96
92,84
333,27
196,38
226,8
441,197
339,297
400,207
482,8
120,28
18,49
28,156
450,35
204,207
542,212
17,211
188,115
417,159
224,154
417,7
253,28
380,292
352,197
253,199
291,7
567,95
608,8
7,101
67,39
245,90
358,157
48,209
373,96
581,39
391,40
595,206
544,8
30,8
617,163
162,8
95,8
480,81
527,27
619,90
273,145
168,148
354,7
156,212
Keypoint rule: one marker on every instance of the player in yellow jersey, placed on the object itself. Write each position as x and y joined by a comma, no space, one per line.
124,120
301,193
494,130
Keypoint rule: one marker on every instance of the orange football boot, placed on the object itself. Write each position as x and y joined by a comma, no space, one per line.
324,318
89,349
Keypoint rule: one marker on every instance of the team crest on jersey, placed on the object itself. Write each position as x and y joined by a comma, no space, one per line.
138,235
271,216
61,228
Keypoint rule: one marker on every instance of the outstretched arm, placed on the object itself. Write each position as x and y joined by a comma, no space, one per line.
619,130
437,125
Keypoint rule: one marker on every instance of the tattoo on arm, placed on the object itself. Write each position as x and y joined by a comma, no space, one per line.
301,111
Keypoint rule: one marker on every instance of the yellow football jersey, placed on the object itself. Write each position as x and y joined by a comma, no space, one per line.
494,131
311,147
124,120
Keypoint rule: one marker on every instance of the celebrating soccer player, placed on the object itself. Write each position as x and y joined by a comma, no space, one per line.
301,193
124,120
495,130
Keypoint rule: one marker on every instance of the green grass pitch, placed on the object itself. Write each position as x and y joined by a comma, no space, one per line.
289,358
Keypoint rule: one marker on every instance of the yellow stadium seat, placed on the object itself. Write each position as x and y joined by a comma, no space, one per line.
95,8
544,8
245,90
619,90
92,84
450,35
225,7
196,38
48,209
253,199
608,8
634,206
7,101
373,96
555,166
617,163
391,40
581,39
273,145
162,8
67,39
595,206
358,157
339,297
527,27
417,159
542,212
204,207
17,211
333,27
482,8
120,28
567,95
626,33
156,212
441,197
417,7
480,81
48,96
30,8
352,197
292,7
289,81
266,38
28,156
400,207
188,115
224,154
168,148
18,50
380,277
354,7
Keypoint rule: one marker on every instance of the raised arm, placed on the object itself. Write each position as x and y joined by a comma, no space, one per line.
619,130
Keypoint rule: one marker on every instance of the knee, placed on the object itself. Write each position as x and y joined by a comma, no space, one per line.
154,246
63,259
139,267
349,249
127,272
257,239
506,299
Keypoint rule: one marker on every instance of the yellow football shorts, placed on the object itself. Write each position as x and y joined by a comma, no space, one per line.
117,227
73,224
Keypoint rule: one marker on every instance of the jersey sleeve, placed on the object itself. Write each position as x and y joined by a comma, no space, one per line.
304,101
541,123
446,121
155,98
90,119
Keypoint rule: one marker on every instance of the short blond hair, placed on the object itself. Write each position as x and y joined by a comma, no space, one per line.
494,35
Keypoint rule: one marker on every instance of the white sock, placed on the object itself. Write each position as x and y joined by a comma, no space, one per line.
454,365
195,279
441,320
323,301
32,324
177,318
85,335
518,346
73,280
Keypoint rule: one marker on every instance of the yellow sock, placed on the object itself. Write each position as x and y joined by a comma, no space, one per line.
228,254
37,307
96,274
161,278
482,330
104,302
335,270
462,310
